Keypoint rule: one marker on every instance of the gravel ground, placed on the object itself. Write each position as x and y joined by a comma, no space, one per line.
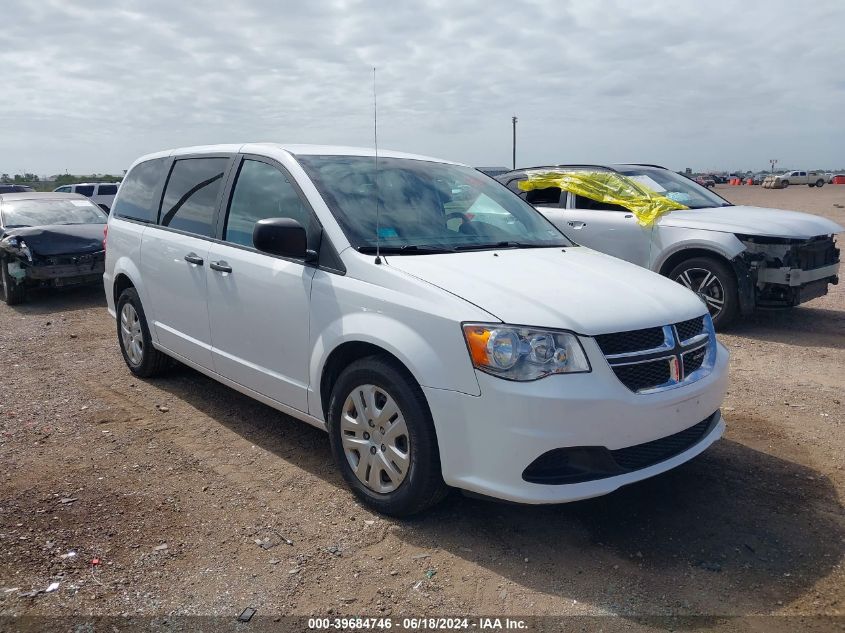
180,496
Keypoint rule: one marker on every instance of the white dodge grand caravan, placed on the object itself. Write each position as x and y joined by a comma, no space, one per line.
439,328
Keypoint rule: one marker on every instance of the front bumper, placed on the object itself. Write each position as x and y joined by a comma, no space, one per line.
486,442
64,271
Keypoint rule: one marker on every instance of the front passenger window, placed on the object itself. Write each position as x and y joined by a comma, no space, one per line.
261,192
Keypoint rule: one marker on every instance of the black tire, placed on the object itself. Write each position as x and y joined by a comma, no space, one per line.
820,183
423,484
726,289
13,293
152,362
785,183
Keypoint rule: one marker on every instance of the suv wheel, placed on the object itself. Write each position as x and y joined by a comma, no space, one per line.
13,293
715,285
820,183
785,183
383,438
133,334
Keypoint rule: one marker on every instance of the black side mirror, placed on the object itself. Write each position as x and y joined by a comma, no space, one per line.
282,236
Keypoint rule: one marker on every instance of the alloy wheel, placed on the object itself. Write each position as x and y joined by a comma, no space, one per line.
131,335
707,286
375,438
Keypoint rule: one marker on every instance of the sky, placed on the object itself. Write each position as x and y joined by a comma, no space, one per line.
90,86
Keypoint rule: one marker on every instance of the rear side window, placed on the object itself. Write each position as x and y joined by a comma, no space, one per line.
138,190
261,192
85,190
190,197
547,196
107,190
594,205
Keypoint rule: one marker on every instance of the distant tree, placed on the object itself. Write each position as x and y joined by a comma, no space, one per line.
5,178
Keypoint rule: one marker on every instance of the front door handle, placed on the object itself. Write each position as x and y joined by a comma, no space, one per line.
577,225
220,266
193,258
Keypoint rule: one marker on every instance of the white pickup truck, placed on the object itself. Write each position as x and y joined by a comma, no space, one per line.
797,177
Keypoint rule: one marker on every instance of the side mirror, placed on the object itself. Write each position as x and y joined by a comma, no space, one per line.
282,236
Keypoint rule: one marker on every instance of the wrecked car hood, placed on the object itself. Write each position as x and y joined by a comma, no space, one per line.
752,221
60,239
573,288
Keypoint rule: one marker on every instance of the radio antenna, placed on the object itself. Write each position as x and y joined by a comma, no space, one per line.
375,177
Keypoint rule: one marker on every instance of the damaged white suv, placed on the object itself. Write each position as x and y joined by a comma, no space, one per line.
438,327
735,258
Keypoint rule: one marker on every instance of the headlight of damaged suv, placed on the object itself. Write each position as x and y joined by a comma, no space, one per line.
523,353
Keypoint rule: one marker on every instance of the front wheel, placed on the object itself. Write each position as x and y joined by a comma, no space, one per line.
383,439
820,183
715,285
13,293
784,183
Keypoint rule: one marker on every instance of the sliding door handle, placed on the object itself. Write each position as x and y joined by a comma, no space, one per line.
193,258
220,266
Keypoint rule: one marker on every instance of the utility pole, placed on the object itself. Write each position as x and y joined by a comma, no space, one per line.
773,162
514,119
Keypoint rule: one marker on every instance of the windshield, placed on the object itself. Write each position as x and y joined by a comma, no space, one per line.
425,206
21,213
675,187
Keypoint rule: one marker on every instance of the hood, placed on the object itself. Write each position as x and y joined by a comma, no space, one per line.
752,221
61,239
574,288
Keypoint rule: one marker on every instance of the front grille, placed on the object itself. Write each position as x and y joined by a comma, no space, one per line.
633,341
578,464
76,259
644,375
694,360
688,329
650,453
661,357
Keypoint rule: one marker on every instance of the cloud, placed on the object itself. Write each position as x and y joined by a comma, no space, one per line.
90,87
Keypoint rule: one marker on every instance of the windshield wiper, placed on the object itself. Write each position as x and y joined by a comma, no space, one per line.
406,249
505,244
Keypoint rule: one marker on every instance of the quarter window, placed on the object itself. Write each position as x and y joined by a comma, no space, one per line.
136,199
85,190
190,197
107,190
261,192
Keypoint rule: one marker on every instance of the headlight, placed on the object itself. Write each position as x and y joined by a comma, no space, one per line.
523,353
25,250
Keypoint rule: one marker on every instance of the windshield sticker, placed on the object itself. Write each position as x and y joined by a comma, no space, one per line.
678,196
385,232
648,182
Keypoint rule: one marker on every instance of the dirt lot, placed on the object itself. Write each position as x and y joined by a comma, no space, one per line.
170,483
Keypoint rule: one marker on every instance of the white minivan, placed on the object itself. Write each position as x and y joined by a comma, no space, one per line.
442,339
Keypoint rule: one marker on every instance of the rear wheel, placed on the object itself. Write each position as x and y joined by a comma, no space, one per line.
715,285
383,438
133,334
13,293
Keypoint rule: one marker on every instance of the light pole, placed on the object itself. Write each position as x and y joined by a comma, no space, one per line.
514,119
773,162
